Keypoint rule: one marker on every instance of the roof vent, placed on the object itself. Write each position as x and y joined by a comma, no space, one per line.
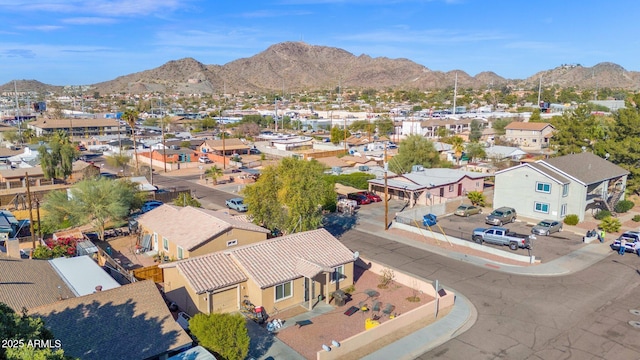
98,288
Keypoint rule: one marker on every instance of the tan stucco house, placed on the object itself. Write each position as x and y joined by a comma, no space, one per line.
529,136
280,272
183,232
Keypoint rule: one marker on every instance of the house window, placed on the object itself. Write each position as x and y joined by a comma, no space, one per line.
542,207
563,210
337,274
450,188
534,140
284,291
180,253
543,187
565,189
233,242
165,243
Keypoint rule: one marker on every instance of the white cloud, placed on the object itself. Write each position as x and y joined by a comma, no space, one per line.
88,20
40,27
95,7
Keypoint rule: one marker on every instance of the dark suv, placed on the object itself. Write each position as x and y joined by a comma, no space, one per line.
503,215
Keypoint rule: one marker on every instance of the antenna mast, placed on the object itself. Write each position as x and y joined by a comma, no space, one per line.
455,95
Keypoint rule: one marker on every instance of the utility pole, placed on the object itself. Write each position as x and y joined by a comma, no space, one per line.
164,149
33,235
38,214
386,190
224,155
345,135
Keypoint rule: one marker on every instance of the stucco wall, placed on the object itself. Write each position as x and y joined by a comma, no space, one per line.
177,290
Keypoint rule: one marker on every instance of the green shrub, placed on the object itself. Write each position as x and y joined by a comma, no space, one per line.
624,206
571,219
636,218
350,289
610,224
602,214
224,334
476,198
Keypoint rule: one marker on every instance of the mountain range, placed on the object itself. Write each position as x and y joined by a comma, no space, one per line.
297,66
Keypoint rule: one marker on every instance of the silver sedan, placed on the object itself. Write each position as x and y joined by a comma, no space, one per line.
547,227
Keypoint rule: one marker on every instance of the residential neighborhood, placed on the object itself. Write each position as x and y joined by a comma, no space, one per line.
122,221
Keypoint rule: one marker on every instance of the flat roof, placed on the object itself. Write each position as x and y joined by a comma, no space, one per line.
82,274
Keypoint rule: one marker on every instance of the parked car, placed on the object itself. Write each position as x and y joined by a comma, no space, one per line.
204,160
467,210
150,205
373,197
547,227
500,216
236,204
359,198
632,242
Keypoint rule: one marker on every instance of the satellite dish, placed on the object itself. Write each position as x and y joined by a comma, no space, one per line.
356,255
606,156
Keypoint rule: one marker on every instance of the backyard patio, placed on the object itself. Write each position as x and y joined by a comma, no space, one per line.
368,301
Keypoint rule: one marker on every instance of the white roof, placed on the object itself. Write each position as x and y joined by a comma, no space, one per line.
143,183
82,274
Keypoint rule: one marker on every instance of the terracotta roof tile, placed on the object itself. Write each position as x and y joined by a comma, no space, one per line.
274,261
191,227
211,272
93,326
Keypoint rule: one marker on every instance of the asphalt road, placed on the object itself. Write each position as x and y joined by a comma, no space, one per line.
585,315
580,316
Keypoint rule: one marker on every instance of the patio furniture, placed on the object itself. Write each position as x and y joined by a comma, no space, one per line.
352,310
340,297
388,309
376,306
302,323
372,293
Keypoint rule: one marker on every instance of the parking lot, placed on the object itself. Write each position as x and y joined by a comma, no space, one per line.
545,248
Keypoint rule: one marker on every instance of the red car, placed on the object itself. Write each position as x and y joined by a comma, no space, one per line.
371,196
361,199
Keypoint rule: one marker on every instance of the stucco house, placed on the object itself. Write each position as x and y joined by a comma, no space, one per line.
183,232
556,187
530,136
430,186
280,272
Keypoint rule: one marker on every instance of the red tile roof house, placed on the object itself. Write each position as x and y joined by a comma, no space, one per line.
530,136
184,232
280,272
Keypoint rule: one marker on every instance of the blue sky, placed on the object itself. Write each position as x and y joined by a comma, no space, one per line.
78,42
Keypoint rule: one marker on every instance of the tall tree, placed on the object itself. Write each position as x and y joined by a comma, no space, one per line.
476,130
414,150
118,160
96,201
57,160
290,196
457,144
131,116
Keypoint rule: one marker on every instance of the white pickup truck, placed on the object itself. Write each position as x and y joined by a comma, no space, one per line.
502,236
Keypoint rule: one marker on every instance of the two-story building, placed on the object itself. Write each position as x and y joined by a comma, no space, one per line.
530,136
183,232
556,187
77,128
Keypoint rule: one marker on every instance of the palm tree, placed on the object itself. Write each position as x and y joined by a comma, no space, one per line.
457,144
130,116
214,173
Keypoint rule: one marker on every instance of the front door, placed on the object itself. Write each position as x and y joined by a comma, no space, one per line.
306,289
459,189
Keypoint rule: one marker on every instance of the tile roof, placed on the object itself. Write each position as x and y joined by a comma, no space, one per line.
129,322
210,272
30,283
439,176
274,261
521,125
191,227
549,172
332,161
268,263
586,167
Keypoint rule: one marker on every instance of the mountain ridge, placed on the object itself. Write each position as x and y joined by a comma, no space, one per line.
298,66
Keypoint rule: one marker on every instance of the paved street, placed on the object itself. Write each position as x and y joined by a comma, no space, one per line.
584,315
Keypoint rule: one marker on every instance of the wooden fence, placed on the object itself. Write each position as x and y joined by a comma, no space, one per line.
150,272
